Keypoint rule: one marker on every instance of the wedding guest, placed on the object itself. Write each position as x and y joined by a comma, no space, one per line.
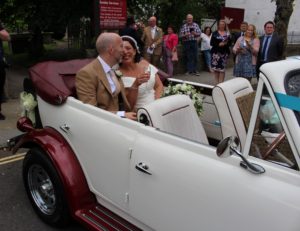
220,42
152,38
97,84
206,47
169,48
4,36
246,49
131,30
189,33
140,78
242,32
271,45
140,26
236,35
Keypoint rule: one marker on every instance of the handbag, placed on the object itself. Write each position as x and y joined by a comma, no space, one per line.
174,56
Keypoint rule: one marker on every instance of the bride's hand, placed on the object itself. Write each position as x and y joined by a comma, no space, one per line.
142,78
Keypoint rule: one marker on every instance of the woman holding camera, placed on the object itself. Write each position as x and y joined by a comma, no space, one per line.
246,49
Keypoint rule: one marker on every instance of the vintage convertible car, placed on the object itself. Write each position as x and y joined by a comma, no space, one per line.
165,172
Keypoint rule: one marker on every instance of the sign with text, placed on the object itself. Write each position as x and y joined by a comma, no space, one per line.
113,14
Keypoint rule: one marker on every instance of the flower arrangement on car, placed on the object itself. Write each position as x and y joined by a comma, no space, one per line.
28,104
189,90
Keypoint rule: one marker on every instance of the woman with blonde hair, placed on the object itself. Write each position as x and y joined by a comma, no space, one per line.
246,49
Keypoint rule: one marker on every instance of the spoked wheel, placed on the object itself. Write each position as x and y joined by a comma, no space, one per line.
44,188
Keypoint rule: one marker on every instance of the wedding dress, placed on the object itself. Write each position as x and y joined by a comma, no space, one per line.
146,90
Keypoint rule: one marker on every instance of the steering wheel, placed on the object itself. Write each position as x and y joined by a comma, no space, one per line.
274,144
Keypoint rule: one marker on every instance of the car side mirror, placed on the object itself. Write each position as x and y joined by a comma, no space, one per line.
229,146
223,149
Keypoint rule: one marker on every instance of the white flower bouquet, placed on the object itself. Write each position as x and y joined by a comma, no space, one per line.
28,104
189,90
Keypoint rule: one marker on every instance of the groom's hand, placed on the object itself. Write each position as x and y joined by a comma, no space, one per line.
130,115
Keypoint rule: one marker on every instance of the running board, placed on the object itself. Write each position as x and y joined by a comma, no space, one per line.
99,218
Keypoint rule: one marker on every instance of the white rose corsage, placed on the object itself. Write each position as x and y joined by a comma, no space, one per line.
118,73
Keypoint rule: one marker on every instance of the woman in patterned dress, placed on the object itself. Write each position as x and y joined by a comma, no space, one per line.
246,49
220,42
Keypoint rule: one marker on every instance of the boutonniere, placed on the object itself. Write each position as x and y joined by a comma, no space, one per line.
118,73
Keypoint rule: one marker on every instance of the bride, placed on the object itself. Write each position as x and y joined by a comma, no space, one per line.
140,78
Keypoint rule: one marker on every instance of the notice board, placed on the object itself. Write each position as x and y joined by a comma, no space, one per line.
112,14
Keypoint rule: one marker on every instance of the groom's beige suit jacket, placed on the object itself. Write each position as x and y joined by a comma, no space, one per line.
92,87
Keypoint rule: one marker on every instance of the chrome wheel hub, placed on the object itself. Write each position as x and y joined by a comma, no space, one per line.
41,189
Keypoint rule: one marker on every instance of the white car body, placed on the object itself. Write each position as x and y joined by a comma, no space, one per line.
190,188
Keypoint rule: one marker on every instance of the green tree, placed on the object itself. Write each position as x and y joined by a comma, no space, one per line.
284,10
174,12
40,15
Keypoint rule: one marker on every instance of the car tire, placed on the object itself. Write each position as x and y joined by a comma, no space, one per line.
45,189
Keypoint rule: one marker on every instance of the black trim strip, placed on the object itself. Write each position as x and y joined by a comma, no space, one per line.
240,90
177,109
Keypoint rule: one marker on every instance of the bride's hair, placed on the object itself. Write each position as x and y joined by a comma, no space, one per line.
135,46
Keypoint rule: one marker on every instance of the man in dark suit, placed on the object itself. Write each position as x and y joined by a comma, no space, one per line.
271,46
97,83
236,35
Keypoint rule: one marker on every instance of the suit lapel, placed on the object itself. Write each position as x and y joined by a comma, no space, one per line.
101,75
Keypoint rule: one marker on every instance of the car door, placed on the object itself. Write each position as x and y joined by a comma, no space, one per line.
102,143
177,184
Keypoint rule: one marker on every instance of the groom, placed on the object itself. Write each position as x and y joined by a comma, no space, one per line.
97,84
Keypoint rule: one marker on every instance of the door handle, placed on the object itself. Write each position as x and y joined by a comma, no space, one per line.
65,128
143,168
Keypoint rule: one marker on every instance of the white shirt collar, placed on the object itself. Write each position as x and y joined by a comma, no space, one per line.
105,66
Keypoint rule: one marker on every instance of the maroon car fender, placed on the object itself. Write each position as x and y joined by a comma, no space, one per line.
65,162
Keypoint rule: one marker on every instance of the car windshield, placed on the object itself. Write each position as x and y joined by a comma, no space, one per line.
293,89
